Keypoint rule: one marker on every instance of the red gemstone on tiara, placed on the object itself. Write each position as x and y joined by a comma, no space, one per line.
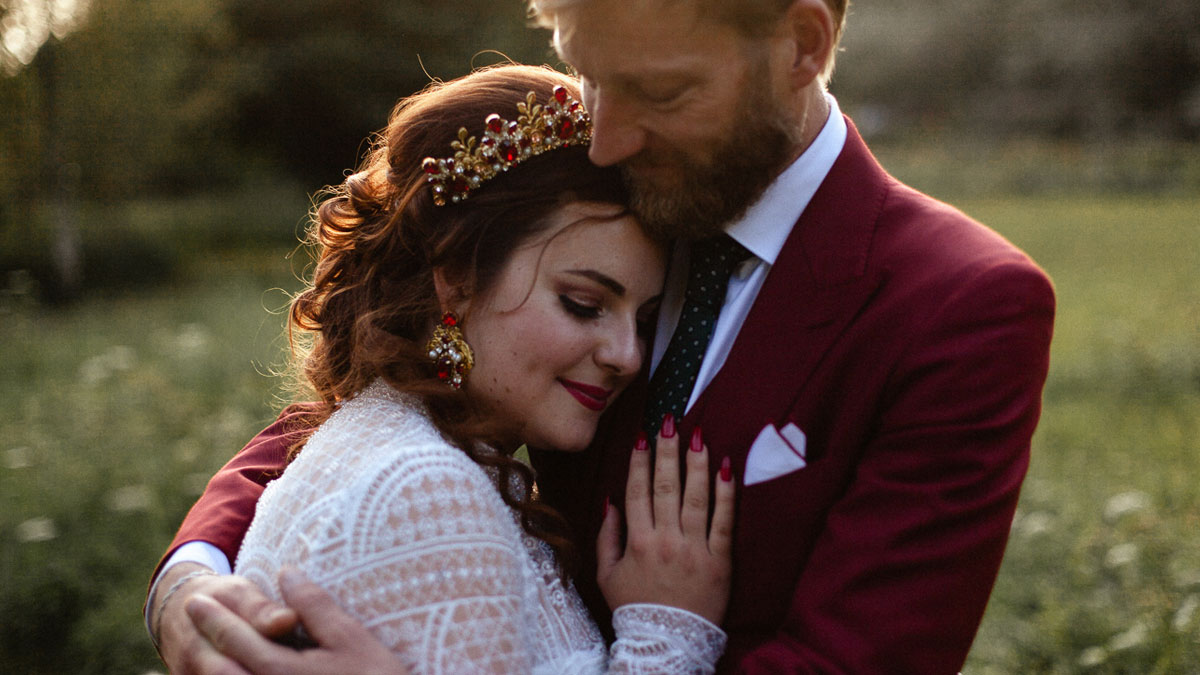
560,94
430,165
449,319
566,130
508,151
494,123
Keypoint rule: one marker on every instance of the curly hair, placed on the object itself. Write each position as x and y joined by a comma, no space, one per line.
371,303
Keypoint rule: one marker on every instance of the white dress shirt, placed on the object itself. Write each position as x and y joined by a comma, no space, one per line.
762,230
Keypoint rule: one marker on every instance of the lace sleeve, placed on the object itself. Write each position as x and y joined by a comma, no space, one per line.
421,550
658,639
441,571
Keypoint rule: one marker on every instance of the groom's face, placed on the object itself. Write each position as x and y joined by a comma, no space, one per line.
687,107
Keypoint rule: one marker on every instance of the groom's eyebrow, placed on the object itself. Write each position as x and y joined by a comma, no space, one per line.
602,279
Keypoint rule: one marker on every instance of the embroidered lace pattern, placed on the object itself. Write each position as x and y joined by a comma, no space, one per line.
414,540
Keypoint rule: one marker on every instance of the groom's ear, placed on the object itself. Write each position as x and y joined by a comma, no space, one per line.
803,41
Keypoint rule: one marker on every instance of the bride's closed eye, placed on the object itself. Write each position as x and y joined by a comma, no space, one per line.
582,310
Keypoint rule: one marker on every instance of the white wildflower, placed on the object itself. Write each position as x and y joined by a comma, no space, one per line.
120,357
36,529
1092,656
1121,554
1125,503
1035,523
1183,615
94,370
1186,578
17,458
186,450
1136,635
97,368
194,483
230,422
192,340
130,498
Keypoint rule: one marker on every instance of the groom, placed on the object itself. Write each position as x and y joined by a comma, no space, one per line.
873,370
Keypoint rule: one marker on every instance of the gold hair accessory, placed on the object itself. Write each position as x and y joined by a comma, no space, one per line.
560,123
449,351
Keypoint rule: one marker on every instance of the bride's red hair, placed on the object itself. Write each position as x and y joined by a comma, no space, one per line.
378,236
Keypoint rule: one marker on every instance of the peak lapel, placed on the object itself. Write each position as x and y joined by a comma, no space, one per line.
818,284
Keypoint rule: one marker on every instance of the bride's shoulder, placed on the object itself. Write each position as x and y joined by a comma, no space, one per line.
385,430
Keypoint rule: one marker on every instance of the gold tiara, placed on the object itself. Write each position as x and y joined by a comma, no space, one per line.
561,123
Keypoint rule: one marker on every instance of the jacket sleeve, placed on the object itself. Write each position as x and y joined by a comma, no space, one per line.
223,513
899,578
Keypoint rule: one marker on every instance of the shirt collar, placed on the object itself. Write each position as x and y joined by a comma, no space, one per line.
765,226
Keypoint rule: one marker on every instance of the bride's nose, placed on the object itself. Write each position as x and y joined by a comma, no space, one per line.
620,350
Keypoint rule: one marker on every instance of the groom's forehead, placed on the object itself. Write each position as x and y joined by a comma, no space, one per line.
592,16
627,30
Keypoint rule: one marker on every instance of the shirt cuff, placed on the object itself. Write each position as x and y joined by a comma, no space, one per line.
200,552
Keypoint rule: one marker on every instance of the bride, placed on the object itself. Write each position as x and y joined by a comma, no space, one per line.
477,290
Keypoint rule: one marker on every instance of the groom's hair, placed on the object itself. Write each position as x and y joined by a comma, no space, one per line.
751,18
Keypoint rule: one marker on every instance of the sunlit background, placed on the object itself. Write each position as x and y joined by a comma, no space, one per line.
156,165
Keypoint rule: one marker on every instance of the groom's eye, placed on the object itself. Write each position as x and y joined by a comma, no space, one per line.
661,93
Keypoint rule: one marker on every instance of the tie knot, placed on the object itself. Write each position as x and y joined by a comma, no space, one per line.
712,262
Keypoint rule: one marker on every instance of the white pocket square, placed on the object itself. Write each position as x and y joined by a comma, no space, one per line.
776,452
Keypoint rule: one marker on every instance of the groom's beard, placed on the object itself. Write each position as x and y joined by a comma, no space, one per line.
695,197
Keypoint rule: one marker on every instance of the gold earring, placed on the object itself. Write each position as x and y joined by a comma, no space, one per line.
449,351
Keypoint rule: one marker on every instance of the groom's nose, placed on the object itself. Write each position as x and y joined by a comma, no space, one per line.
616,134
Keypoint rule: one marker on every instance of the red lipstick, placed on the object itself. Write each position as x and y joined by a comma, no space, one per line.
589,396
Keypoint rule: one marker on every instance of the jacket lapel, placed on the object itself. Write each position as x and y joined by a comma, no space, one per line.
817,286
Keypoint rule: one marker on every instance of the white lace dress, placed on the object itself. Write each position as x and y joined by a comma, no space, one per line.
413,539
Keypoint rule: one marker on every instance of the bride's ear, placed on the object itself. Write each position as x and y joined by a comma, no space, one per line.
453,296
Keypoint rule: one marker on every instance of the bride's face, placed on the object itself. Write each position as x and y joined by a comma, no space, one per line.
563,329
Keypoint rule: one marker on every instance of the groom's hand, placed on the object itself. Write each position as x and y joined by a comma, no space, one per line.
183,648
342,644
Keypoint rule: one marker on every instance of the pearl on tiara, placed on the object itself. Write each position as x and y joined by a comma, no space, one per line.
560,123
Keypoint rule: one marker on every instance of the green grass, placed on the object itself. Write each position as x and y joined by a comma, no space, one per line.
118,411
1102,572
120,407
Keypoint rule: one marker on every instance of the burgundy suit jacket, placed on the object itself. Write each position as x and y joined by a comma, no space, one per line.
910,344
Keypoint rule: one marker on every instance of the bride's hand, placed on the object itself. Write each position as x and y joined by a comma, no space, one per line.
673,555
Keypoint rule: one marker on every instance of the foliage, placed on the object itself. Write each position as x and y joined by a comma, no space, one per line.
120,409
1094,69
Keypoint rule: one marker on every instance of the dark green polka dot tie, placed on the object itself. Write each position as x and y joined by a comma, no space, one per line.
711,263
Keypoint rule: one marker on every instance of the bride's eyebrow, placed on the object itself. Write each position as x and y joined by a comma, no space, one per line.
602,279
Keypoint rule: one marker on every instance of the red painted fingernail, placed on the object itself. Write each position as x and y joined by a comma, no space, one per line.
642,444
668,426
697,442
726,470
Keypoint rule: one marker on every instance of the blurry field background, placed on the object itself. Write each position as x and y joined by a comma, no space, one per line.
156,162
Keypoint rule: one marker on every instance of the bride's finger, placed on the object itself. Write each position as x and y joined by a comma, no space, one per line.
666,477
637,489
720,536
608,542
693,514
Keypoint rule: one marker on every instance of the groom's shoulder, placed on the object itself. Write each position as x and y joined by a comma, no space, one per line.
917,231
